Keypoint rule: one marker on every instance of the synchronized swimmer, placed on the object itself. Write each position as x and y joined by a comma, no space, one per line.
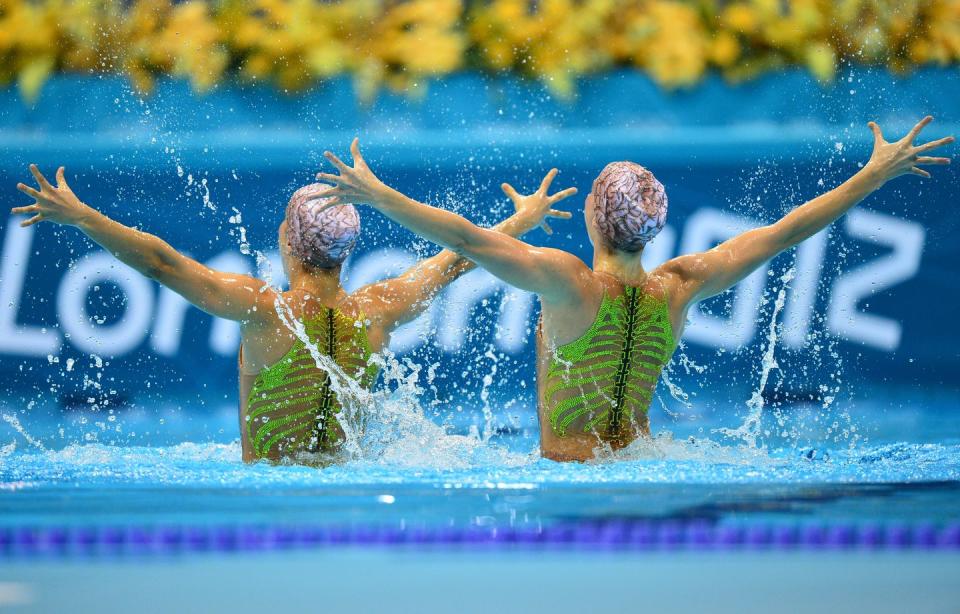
288,406
605,332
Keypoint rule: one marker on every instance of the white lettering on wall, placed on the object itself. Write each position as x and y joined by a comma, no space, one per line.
516,319
448,319
449,313
376,266
22,340
802,297
704,229
844,316
86,335
460,299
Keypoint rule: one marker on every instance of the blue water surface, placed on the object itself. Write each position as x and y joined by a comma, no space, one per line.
152,466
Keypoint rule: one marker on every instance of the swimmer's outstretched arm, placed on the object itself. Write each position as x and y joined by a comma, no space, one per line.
703,275
402,298
553,274
235,297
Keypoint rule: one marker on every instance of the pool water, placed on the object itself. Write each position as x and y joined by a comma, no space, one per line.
155,512
182,472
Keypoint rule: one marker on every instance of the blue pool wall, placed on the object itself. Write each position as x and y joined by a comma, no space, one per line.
873,300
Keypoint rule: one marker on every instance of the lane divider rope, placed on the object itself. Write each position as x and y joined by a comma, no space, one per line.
66,541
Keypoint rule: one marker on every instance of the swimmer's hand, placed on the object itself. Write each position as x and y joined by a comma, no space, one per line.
55,204
538,206
354,185
890,160
358,185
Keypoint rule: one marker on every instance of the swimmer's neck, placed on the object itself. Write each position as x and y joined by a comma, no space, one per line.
322,284
625,266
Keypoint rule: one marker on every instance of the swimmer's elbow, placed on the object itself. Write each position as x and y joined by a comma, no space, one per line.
156,270
793,230
466,244
161,268
161,262
464,238
458,246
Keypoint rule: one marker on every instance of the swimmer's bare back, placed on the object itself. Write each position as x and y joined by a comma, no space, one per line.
266,336
573,295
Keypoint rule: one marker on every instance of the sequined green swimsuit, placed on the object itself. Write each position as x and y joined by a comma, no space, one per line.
603,382
292,407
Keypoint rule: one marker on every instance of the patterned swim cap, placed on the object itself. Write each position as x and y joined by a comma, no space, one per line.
630,205
318,238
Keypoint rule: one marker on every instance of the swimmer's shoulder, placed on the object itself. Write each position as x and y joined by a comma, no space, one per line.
263,316
571,272
562,259
672,274
660,284
359,306
668,282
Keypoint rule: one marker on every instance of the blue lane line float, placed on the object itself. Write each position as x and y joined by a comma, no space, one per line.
631,535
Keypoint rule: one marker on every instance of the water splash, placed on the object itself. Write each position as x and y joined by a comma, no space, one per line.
485,396
389,425
659,460
14,422
750,430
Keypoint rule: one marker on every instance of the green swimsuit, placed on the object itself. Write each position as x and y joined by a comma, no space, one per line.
604,381
292,407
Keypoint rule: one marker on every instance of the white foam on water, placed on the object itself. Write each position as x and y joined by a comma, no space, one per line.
663,446
658,460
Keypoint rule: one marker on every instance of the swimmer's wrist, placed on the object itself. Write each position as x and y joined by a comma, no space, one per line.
874,176
385,197
85,217
527,221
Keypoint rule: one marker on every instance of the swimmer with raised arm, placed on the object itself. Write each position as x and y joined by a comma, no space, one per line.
288,407
607,332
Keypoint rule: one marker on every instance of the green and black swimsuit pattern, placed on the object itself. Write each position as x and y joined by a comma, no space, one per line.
292,407
603,382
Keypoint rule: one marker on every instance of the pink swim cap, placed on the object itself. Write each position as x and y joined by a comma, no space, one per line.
318,238
630,205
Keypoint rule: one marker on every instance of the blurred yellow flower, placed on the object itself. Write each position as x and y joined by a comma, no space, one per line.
552,40
724,49
402,44
740,18
668,40
821,61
